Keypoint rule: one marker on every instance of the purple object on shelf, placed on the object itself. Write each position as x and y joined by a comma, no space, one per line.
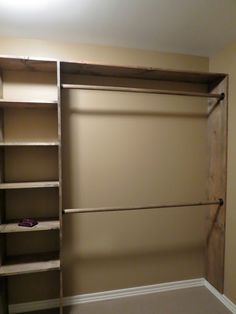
27,222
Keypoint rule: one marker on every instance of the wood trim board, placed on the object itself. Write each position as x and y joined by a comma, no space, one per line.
217,185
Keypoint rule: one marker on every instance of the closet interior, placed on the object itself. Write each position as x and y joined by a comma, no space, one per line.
31,159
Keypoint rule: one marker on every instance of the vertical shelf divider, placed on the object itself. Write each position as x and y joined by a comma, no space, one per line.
217,187
3,281
60,177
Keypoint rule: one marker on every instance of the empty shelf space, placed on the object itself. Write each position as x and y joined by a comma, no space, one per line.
41,226
17,103
15,143
29,185
30,264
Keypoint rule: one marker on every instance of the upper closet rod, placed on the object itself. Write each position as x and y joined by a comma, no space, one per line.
219,202
141,90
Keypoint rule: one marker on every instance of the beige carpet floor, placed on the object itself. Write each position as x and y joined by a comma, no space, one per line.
186,301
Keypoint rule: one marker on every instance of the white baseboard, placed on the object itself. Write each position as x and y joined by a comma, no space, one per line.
106,295
122,293
221,297
130,292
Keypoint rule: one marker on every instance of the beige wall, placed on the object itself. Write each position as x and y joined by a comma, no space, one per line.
225,61
118,150
67,51
133,149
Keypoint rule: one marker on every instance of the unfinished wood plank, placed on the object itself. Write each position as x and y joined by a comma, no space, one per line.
11,63
3,281
41,226
2,170
1,139
217,179
1,86
59,129
29,267
21,103
10,143
148,73
29,185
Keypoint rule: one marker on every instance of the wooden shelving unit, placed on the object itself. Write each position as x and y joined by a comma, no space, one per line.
76,75
26,264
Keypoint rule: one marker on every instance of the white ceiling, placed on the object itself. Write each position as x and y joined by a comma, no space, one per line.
199,27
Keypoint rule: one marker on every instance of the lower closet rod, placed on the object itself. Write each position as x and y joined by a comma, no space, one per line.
219,202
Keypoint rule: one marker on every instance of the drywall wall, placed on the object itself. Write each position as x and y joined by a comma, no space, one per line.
121,150
107,55
225,61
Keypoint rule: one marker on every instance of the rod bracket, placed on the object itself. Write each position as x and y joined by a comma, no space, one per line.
222,96
221,202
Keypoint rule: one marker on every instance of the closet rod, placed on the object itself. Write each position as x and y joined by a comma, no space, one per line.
141,90
219,202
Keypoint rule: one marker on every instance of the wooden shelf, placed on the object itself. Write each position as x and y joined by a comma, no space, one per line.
10,63
29,185
13,144
30,264
20,103
148,73
41,226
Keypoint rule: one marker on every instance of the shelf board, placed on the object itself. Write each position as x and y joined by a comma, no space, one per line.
30,264
20,103
29,185
11,63
15,143
41,226
145,73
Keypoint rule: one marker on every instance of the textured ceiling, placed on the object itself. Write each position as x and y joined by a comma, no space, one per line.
199,27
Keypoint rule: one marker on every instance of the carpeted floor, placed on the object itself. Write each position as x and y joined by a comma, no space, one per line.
186,301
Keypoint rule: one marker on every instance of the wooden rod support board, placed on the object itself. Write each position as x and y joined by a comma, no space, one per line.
217,184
